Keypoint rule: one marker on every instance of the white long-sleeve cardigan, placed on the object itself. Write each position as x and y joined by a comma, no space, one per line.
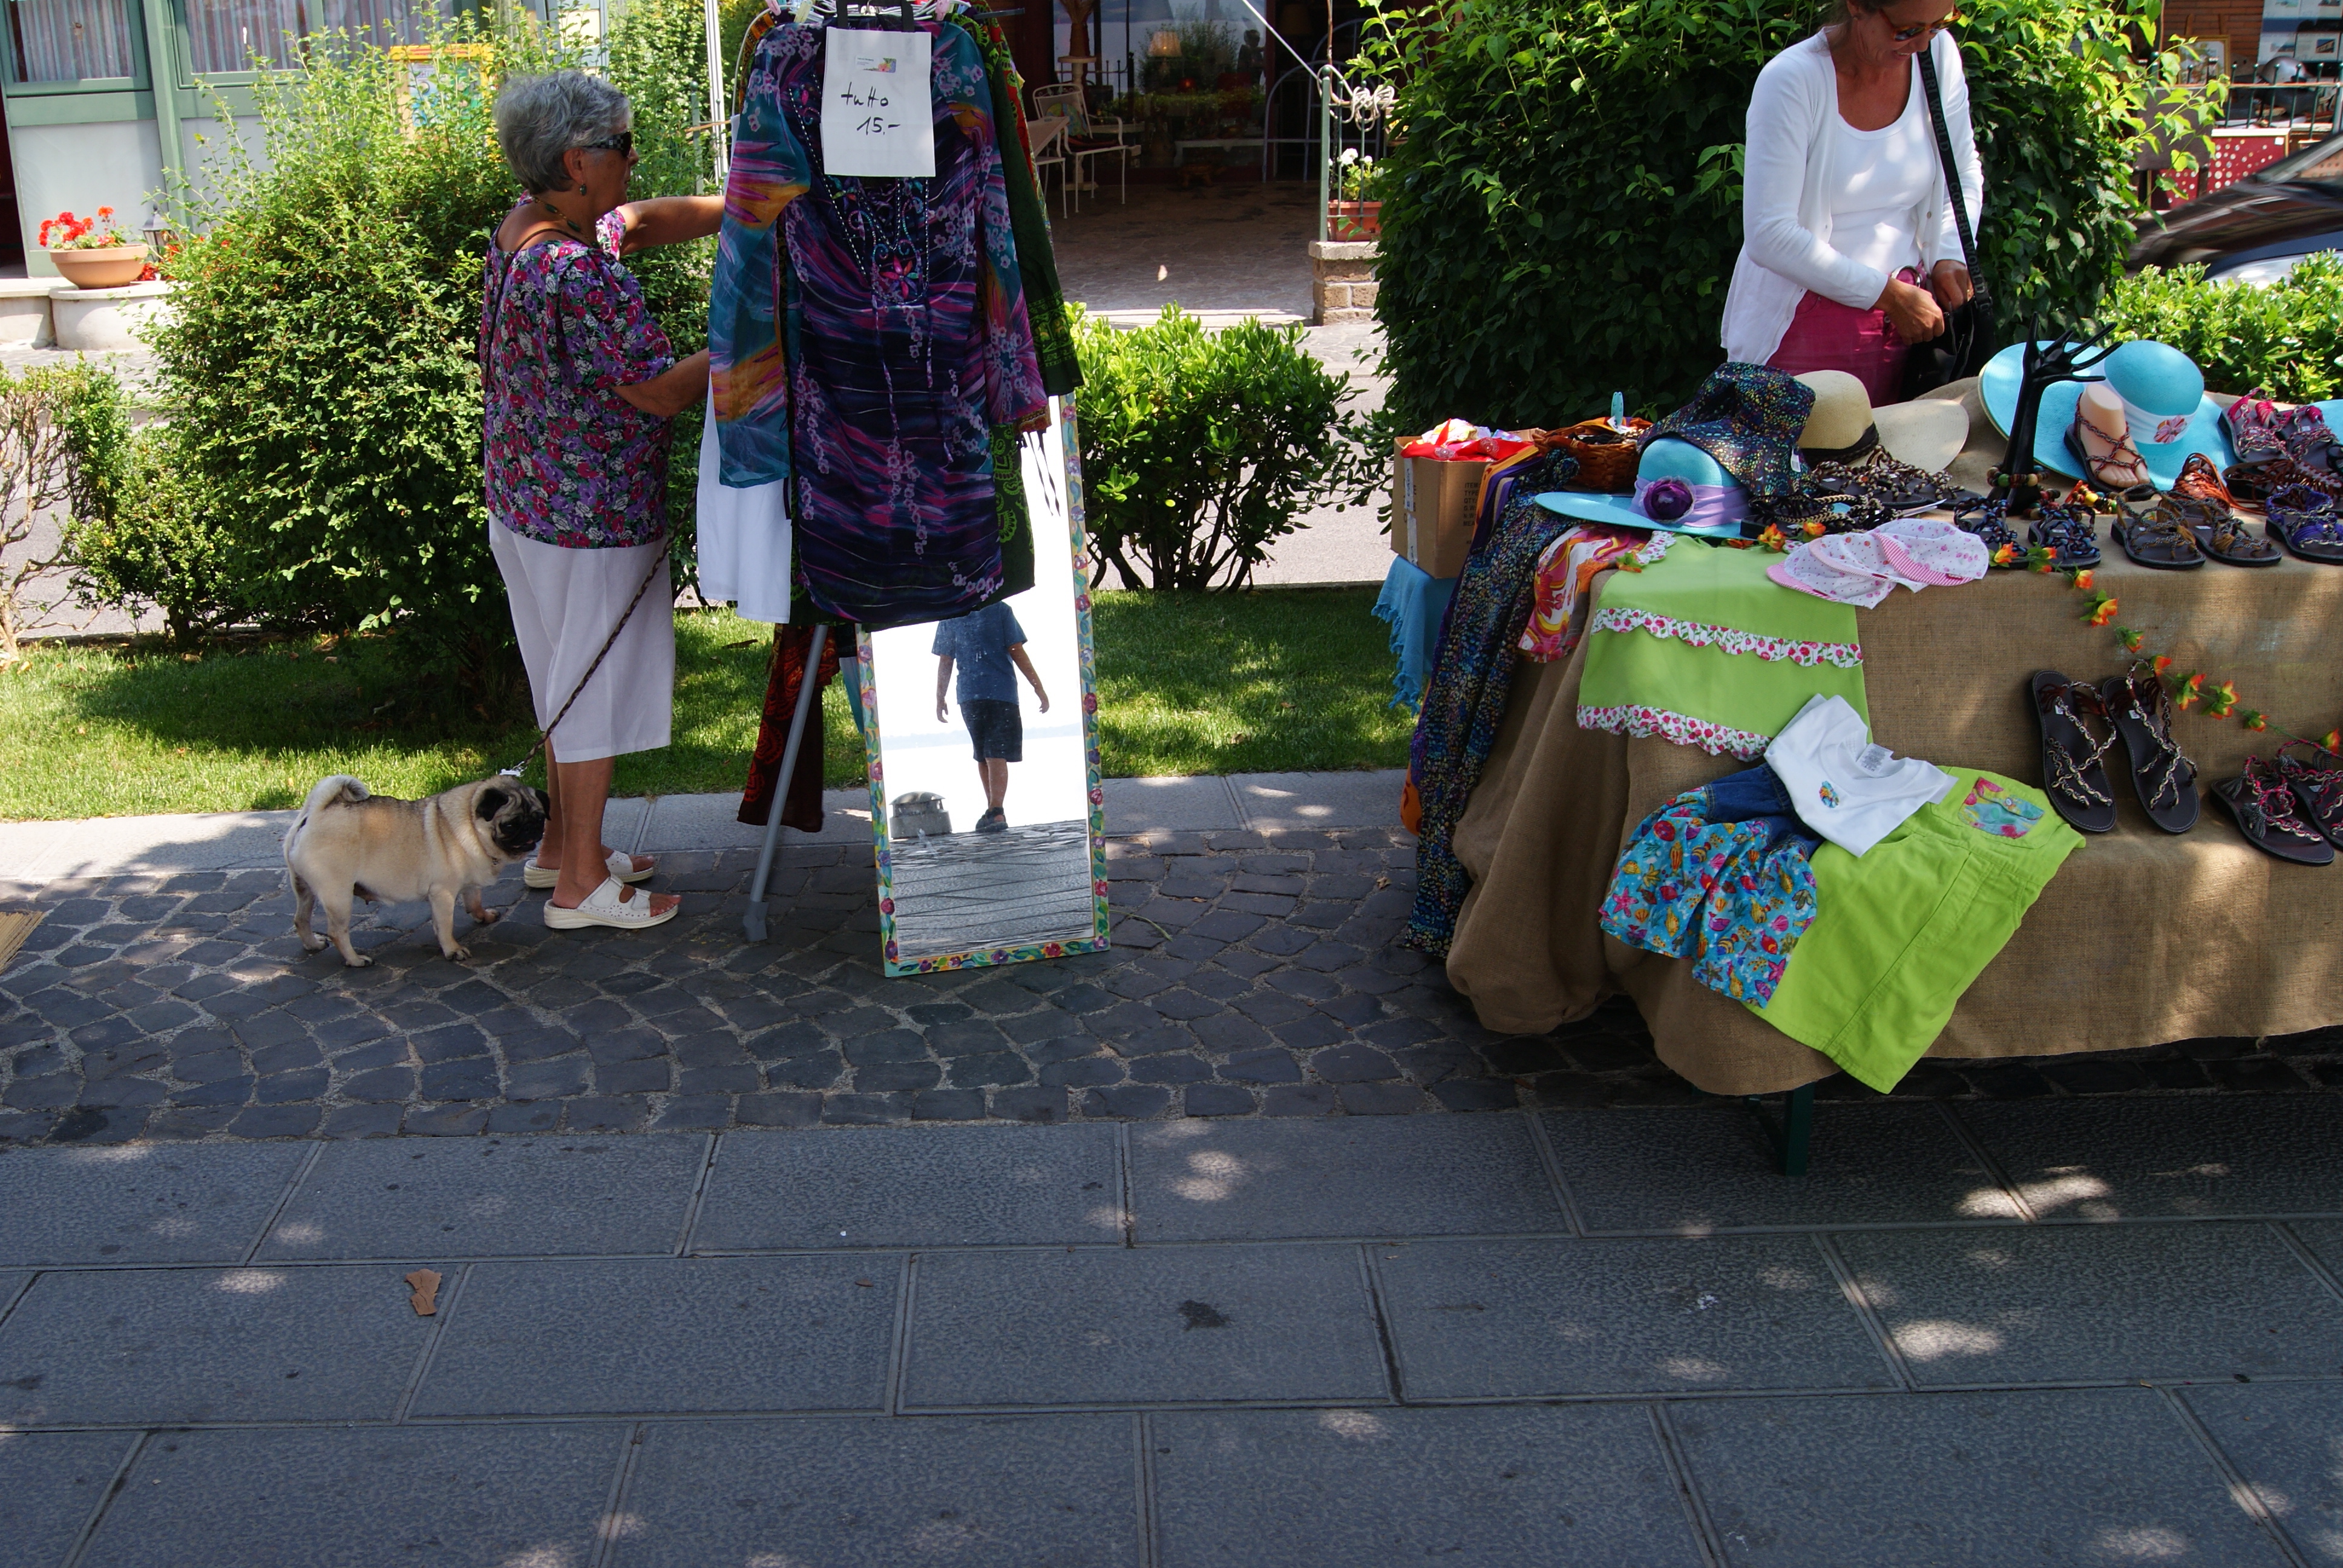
1785,200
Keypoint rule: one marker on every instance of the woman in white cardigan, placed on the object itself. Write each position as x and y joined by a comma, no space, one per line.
1848,250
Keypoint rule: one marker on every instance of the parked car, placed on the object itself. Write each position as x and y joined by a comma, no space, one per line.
2256,229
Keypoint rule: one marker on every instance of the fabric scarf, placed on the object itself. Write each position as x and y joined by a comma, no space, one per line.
1748,417
1466,698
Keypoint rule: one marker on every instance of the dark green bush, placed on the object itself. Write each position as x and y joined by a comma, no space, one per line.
1198,447
1562,207
2284,336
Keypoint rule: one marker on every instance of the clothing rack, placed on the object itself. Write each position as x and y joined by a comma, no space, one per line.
752,921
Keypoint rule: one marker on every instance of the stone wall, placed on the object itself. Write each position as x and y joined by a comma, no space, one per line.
1342,280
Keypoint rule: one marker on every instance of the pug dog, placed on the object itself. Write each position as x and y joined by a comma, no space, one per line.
349,841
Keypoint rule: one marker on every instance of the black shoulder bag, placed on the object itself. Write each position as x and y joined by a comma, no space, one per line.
1967,342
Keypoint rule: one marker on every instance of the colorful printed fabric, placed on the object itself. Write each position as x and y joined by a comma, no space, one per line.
1037,259
866,336
1466,700
801,800
1747,417
567,460
1563,574
1720,876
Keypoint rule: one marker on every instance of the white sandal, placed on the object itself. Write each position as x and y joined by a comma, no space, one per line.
603,907
621,866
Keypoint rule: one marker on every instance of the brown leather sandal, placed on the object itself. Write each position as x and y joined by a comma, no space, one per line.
2159,532
2074,760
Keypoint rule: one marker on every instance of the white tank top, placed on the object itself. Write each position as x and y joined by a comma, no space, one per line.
1879,177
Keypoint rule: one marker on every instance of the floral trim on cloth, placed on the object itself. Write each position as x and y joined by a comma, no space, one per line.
1699,634
1681,729
1655,548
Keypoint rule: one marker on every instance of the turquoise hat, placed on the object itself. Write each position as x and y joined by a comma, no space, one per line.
1718,503
2154,377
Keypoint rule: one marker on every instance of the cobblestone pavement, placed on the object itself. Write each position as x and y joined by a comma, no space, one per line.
1253,974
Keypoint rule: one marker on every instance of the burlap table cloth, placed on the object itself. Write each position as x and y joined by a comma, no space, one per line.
2142,938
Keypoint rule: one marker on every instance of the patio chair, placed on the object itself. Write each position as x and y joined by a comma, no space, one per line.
1047,137
1088,139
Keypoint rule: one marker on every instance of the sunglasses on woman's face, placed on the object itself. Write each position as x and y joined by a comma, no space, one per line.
623,143
1924,29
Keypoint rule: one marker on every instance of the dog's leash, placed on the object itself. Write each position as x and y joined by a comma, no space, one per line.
658,560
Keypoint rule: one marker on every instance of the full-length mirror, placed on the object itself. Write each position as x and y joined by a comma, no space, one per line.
984,788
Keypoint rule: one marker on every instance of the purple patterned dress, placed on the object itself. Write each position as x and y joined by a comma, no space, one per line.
869,353
567,460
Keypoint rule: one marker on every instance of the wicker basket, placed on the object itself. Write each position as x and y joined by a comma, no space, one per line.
1606,458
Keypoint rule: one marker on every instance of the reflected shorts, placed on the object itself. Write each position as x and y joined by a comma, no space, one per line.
997,728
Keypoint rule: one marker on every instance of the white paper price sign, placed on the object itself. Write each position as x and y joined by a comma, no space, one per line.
877,116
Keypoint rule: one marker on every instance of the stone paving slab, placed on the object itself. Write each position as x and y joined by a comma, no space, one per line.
1875,1164
2097,1304
677,1334
1525,1320
1490,1488
1951,1480
475,1497
157,1346
989,1492
942,1186
2282,1440
477,1198
51,1483
1163,1325
151,1204
1221,1181
2107,1160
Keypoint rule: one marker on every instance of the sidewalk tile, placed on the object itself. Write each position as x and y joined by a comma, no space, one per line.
472,1196
1529,1319
1006,1492
50,1483
211,841
165,1345
1159,1326
1699,1170
1289,801
1343,1488
677,1334
2113,1159
1951,1481
457,1496
2281,1437
23,845
688,822
1175,805
1408,1176
140,1203
911,1187
2050,1303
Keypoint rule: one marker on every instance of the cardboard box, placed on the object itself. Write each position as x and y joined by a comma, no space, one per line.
1433,505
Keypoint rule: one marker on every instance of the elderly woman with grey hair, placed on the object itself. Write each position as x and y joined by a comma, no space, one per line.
580,387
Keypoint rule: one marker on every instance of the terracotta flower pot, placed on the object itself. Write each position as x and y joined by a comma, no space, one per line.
109,268
1354,220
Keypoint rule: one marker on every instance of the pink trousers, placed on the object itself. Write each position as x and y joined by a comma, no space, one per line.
1828,335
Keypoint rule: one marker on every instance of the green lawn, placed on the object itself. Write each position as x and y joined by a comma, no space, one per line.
1228,683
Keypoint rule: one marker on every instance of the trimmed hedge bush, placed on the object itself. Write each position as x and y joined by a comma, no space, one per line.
1562,207
2285,337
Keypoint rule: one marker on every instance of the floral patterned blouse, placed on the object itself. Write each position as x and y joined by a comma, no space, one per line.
567,460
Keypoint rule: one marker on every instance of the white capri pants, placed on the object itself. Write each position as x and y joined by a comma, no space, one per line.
564,604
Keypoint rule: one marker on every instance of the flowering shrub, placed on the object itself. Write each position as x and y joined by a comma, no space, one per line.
66,232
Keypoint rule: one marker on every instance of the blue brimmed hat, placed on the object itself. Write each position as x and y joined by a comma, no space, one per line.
1678,487
2162,393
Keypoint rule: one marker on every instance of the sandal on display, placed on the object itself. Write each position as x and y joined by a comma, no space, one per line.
2069,531
605,906
2123,469
1983,518
2159,532
621,866
2165,779
2200,481
2226,540
2307,439
2261,480
2317,786
2251,423
2270,817
2074,768
2305,518
1897,486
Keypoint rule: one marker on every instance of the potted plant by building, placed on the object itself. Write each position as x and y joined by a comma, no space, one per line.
1355,213
92,252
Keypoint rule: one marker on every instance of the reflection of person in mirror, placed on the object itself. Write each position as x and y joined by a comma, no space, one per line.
984,646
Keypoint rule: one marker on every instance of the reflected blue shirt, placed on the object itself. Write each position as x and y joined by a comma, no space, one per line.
979,646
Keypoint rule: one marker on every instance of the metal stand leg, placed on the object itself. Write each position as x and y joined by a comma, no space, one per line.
753,921
1791,1132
